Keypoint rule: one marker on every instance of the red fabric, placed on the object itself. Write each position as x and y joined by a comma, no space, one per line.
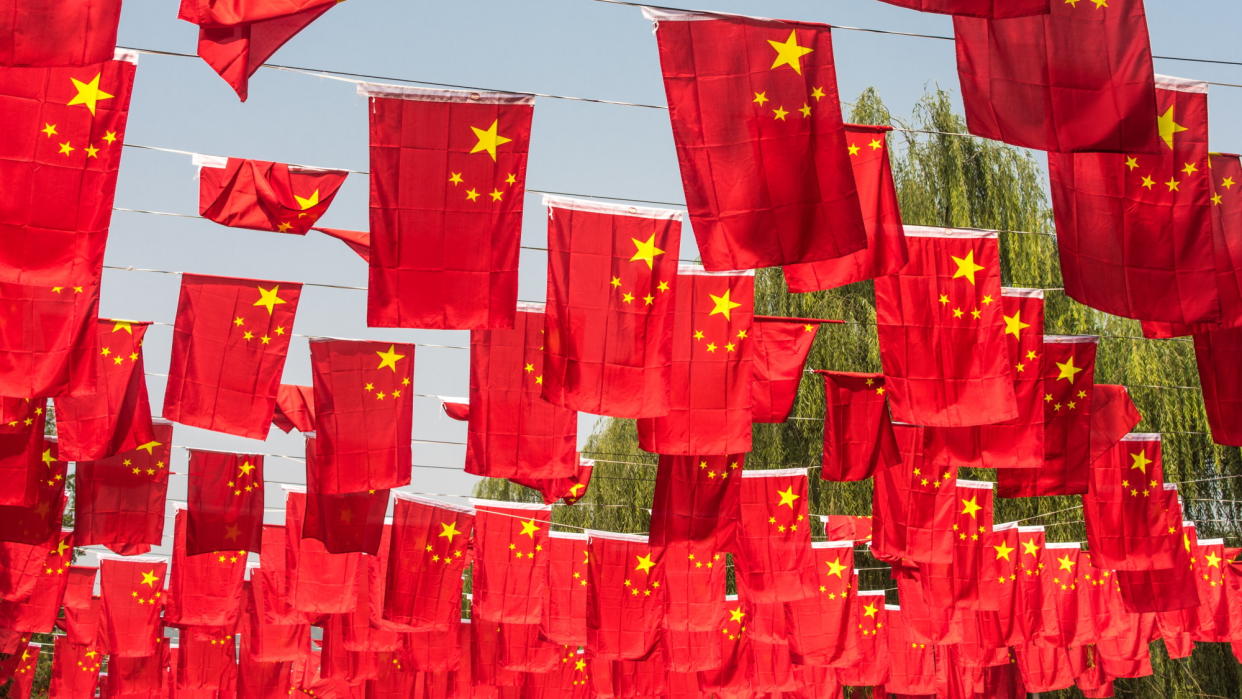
870,616
21,458
47,339
25,664
132,590
711,388
345,523
119,501
295,408
137,678
941,330
564,612
1000,585
116,417
886,241
225,502
976,8
568,489
36,610
204,589
848,527
777,362
513,431
455,409
773,535
511,570
760,140
858,435
1221,377
819,626
81,611
75,669
1125,508
913,505
696,499
39,522
912,667
364,406
1024,82
1168,589
358,241
22,564
273,582
265,642
610,308
58,34
14,413
696,577
625,597
1058,579
1134,230
318,582
235,38
972,527
206,659
430,547
265,196
1044,668
229,347
1212,622
448,175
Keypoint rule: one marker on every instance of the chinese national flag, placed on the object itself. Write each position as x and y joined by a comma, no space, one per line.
695,575
364,406
206,659
886,240
295,408
696,499
137,678
858,435
75,33
81,619
1213,622
1134,228
913,504
710,406
626,596
856,528
511,572
318,582
564,610
47,338
37,523
358,241
347,522
760,140
774,534
913,668
972,527
430,548
225,502
996,9
869,615
1000,568
119,501
21,565
567,489
513,431
610,312
1025,81
37,606
264,196
1221,376
778,358
269,642
21,456
204,589
132,590
448,175
941,328
1124,508
75,669
235,38
1058,579
1166,589
819,624
229,347
21,667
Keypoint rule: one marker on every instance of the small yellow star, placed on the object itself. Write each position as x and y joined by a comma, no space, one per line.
49,129
66,148
779,113
471,194
455,178
760,98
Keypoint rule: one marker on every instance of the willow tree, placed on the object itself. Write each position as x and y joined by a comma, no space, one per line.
945,179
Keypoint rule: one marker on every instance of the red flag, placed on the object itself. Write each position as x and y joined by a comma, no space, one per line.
21,457
345,523
760,140
697,499
364,405
695,575
913,505
21,666
264,196
318,582
782,346
773,534
1221,377
137,678
119,501
870,616
58,34
1003,564
37,523
710,403
886,240
430,547
229,348
204,589
1124,508
972,526
511,571
47,339
81,611
35,610
236,38
513,431
912,666
941,330
1134,229
1167,589
1059,575
273,581
295,408
75,669
995,9
1213,622
358,241
626,596
21,565
225,502
819,625
207,659
564,610
610,313
448,175
268,642
568,489
132,590
855,528
1024,81
858,435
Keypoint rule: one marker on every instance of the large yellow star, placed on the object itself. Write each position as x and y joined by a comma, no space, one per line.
646,251
1003,550
1140,461
529,528
245,468
835,567
448,530
789,53
268,298
1213,560
308,202
488,139
390,358
723,305
966,266
149,447
149,579
126,325
88,93
971,507
1167,127
1014,325
644,563
870,610
61,548
736,615
787,497
1067,563
1029,546
1067,370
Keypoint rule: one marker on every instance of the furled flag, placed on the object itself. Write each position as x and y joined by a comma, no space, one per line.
36,523
430,548
364,412
1124,508
781,347
132,589
564,610
295,408
773,534
1221,378
711,397
609,341
513,431
75,669
203,589
819,624
317,581
37,607
858,435
229,347
116,416
225,495
346,522
1024,83
264,196
511,572
73,33
21,457
759,137
995,9
567,489
626,596
941,330
886,241
358,241
235,38
1134,228
448,175
697,499
119,501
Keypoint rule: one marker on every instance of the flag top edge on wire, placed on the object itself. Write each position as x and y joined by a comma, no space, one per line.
433,94
531,307
615,536
502,505
656,14
1006,526
1211,542
1169,82
939,232
1076,545
135,559
127,55
1142,437
870,593
981,485
1031,529
431,502
1071,339
291,488
698,270
575,536
1020,292
596,207
772,472
892,607
832,544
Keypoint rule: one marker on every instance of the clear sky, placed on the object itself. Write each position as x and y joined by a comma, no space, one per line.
567,47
